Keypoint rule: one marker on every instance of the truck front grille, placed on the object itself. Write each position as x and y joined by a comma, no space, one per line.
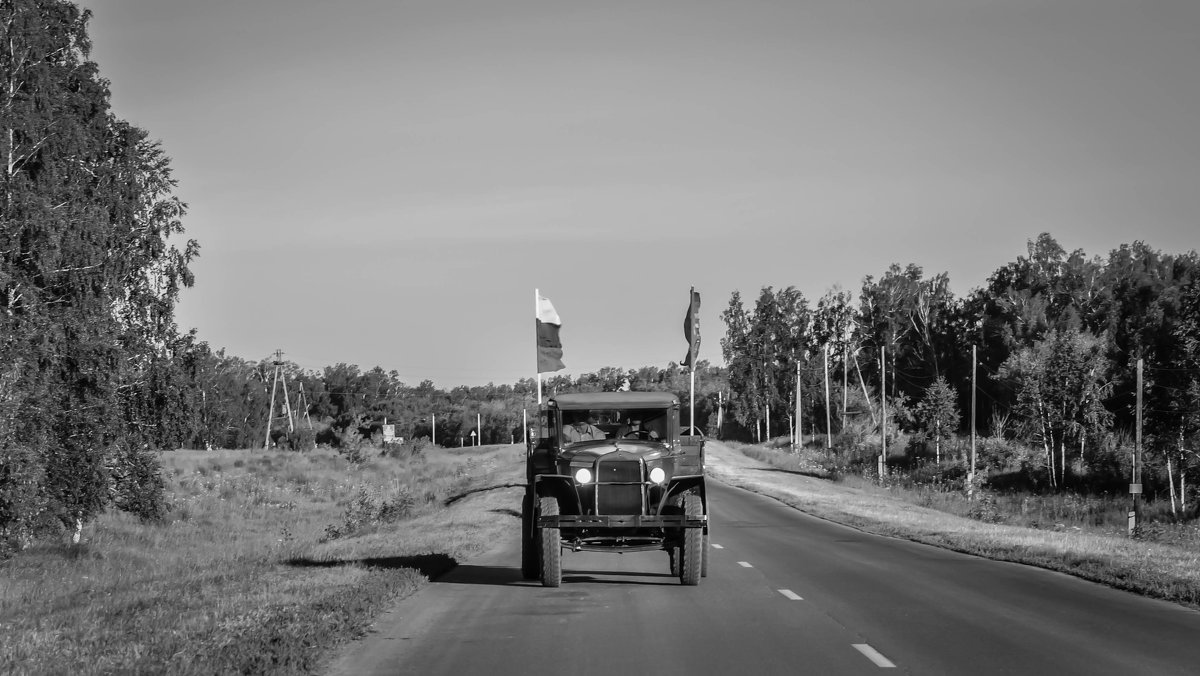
614,471
619,487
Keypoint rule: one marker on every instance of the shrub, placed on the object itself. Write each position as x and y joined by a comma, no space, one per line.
302,439
411,448
367,509
350,444
137,485
985,509
24,512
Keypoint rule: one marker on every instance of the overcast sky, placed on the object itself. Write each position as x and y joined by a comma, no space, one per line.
386,182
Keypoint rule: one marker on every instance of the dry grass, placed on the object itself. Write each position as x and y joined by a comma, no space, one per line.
1158,569
243,577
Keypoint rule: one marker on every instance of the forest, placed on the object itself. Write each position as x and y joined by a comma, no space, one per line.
96,378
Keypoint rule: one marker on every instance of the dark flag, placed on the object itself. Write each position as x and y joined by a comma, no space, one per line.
549,347
691,330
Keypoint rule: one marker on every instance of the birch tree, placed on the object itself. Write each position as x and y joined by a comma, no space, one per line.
89,279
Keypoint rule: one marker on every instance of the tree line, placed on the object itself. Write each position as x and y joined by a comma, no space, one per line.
225,402
1057,336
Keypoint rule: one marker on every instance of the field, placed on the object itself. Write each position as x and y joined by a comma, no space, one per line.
268,560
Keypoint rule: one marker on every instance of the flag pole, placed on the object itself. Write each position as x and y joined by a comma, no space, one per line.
692,362
536,309
692,405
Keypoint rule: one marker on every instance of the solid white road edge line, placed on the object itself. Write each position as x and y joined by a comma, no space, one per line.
874,655
745,564
790,594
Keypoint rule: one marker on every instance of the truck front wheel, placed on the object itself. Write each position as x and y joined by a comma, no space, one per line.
531,556
693,543
551,546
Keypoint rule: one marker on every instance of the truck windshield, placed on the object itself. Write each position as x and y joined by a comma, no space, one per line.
602,424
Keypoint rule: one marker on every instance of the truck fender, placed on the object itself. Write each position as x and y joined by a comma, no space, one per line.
682,484
561,488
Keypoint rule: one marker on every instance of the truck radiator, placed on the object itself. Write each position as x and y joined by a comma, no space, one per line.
619,487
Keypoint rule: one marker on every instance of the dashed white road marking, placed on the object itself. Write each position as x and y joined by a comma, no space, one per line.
745,564
790,594
874,655
717,547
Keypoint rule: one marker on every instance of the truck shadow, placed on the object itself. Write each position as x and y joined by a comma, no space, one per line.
431,566
510,576
813,474
444,569
455,498
613,577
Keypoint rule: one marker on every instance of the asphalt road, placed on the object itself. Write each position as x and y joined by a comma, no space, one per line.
786,594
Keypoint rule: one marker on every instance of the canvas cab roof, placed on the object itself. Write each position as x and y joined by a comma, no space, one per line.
618,400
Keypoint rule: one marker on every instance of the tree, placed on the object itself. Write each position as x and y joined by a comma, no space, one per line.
745,397
938,414
88,280
1061,384
762,349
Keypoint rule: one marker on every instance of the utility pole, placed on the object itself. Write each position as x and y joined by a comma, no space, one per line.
303,401
882,410
845,382
277,376
828,419
479,427
971,476
799,425
1135,488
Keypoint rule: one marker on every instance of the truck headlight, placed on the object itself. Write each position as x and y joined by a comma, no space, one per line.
657,475
583,476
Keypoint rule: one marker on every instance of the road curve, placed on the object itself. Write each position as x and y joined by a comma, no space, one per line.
787,593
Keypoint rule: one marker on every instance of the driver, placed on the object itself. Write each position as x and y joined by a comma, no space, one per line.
636,431
583,430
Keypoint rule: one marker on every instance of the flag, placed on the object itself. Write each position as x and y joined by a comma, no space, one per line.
691,330
549,347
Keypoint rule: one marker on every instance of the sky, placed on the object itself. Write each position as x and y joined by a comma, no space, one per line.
386,182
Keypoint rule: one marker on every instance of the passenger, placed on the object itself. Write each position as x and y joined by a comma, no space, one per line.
583,430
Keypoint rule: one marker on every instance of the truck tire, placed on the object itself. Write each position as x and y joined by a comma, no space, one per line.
693,543
673,553
551,546
705,547
531,556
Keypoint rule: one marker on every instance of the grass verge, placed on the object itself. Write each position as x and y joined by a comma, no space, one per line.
268,561
1167,571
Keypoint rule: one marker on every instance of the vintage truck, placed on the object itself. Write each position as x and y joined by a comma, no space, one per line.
610,472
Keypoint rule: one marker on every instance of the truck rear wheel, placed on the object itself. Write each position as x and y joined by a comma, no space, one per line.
705,547
531,556
551,546
693,542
